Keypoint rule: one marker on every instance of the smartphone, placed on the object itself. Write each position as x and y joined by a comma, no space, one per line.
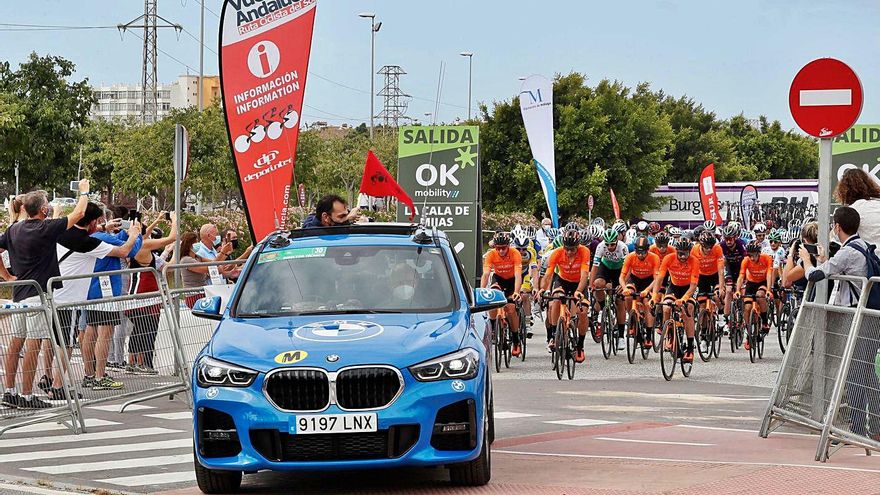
74,185
168,216
125,224
812,248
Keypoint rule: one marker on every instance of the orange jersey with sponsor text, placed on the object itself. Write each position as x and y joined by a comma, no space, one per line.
711,262
570,269
654,249
680,273
504,266
645,268
759,271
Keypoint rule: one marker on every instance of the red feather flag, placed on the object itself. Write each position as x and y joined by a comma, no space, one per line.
614,204
378,182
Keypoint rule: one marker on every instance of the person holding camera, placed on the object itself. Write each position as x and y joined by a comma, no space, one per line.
32,255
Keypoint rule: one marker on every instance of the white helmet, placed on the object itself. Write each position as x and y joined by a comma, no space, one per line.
642,226
630,236
675,231
759,228
619,226
596,230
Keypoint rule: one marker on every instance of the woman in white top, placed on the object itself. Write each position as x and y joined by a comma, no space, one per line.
860,191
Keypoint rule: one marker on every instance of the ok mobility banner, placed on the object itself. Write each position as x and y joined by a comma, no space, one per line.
439,167
264,58
536,105
858,147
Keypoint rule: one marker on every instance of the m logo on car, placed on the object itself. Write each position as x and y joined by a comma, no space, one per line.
290,357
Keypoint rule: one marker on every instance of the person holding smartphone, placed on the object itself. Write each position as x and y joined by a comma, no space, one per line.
793,272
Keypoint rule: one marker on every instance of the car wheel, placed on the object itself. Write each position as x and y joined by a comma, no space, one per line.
478,471
216,481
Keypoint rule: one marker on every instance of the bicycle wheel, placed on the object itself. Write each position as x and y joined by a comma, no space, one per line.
655,330
559,339
682,345
645,335
496,346
607,334
704,335
571,348
612,322
782,328
594,329
771,313
508,343
761,338
716,343
668,351
632,334
752,330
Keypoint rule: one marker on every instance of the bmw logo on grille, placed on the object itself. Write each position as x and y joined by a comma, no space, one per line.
338,331
332,358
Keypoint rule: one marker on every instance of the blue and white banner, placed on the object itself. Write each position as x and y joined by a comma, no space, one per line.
536,105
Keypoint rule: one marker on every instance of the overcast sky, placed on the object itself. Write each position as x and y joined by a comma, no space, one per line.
733,57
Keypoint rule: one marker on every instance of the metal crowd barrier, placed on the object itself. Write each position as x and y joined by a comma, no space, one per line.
195,332
154,365
827,382
20,324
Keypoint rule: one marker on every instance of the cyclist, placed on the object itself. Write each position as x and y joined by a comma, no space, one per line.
711,258
777,254
529,270
505,263
757,273
596,232
675,234
568,271
760,233
661,246
654,228
684,274
637,275
734,250
607,263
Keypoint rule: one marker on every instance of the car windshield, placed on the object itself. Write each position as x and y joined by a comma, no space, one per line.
347,279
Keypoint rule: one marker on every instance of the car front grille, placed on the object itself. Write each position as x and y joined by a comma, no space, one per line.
366,388
299,389
383,444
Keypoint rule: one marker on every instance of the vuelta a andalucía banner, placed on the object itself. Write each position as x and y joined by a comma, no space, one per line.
708,196
536,105
264,59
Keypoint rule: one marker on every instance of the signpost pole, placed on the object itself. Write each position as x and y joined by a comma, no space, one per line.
824,213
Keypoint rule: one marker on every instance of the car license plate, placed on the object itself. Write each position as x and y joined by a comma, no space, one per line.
308,424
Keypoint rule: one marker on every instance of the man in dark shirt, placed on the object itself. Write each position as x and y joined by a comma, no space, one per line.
31,246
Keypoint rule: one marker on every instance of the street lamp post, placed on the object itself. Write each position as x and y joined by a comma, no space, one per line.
470,56
201,57
374,28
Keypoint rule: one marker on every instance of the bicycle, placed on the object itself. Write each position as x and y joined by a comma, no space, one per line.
754,330
674,343
637,332
593,324
736,325
523,324
608,324
787,316
708,336
566,337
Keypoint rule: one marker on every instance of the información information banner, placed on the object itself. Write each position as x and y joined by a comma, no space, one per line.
439,167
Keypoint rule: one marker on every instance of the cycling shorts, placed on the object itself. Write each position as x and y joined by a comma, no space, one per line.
731,274
608,275
752,288
707,283
526,285
677,291
568,287
506,284
639,284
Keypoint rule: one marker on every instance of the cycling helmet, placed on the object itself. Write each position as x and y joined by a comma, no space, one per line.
653,228
596,231
661,239
557,242
587,236
787,237
521,242
642,226
642,245
775,236
697,231
753,247
599,221
709,225
619,226
516,230
732,230
707,239
746,236
630,236
674,231
501,239
552,232
759,228
571,238
770,224
668,227
572,226
520,236
683,246
734,224
610,236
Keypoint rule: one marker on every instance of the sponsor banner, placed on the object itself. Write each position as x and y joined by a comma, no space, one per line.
708,196
859,147
614,204
264,59
536,105
439,168
747,199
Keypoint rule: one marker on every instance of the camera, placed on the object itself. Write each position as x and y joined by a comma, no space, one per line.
74,185
125,224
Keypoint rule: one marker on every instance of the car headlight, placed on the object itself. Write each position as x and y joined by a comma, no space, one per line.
214,373
462,365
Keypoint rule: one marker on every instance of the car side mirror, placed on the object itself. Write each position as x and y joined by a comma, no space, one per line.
487,300
208,307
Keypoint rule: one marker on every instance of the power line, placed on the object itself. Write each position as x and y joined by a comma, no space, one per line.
6,26
172,57
199,41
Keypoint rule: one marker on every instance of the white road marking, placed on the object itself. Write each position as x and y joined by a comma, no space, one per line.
90,422
698,461
690,399
111,465
32,489
825,97
85,437
153,479
99,450
117,407
754,432
632,440
513,415
180,415
580,422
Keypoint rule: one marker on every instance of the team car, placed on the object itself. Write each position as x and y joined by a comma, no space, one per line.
341,348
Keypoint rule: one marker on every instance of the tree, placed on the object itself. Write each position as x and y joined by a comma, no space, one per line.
46,115
605,136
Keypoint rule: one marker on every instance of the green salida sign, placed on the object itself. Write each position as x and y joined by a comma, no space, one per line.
858,147
439,167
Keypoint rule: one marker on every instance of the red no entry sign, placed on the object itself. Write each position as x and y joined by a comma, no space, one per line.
825,98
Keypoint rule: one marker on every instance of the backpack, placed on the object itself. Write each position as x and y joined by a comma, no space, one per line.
873,270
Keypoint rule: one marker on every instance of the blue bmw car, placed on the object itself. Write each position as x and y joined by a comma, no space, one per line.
346,348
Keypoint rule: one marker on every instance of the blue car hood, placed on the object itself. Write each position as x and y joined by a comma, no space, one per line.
400,340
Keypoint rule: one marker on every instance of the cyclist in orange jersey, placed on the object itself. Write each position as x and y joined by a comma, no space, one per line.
755,277
568,272
506,264
684,273
640,269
